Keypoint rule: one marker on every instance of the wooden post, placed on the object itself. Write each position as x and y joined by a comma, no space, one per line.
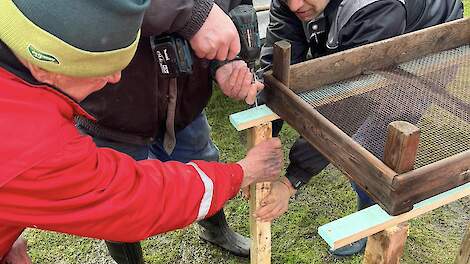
258,121
260,231
464,254
281,62
400,151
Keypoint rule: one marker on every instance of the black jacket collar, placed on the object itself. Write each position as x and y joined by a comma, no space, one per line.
10,62
331,9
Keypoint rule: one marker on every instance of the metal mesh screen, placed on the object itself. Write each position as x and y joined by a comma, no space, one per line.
432,92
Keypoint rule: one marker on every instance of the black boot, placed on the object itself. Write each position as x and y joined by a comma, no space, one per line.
125,253
216,230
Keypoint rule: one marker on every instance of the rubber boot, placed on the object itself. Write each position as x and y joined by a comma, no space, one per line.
358,246
216,230
125,253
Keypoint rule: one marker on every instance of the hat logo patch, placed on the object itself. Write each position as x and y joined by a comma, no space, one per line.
39,55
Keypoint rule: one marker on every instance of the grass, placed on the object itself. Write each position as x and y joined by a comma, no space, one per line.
434,237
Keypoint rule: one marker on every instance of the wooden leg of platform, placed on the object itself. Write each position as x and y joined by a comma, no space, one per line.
258,120
386,247
260,231
464,253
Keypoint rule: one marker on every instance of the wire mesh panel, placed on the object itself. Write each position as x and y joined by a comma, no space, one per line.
432,92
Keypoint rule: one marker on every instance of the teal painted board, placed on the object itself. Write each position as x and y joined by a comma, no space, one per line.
251,117
374,219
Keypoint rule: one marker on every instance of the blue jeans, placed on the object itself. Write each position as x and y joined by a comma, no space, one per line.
192,143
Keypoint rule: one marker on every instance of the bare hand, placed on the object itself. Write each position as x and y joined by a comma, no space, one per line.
217,38
276,202
263,162
246,192
235,81
17,253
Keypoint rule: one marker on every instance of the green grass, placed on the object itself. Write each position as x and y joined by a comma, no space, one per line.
434,237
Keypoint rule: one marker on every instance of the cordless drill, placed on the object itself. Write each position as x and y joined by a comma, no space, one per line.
172,52
246,21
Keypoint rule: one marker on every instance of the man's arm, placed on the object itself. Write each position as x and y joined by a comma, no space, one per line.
102,193
184,17
209,30
375,22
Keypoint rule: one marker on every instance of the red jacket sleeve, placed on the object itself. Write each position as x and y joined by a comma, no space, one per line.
101,193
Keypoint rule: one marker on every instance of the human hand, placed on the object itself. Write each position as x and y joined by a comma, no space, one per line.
18,253
217,38
276,202
235,81
263,162
246,192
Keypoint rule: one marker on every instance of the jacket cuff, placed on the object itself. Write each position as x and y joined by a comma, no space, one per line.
236,176
226,186
296,176
199,15
216,64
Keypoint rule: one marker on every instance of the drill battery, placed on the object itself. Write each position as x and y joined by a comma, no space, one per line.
172,53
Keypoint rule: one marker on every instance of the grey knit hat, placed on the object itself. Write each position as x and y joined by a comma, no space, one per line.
73,37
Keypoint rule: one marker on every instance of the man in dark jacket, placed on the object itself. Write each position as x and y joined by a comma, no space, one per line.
322,27
148,116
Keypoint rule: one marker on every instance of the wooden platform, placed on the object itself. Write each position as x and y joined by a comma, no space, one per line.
396,192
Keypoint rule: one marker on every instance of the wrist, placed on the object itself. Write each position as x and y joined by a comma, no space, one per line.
215,65
247,179
288,185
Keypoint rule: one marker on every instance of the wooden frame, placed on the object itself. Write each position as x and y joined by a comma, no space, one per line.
396,192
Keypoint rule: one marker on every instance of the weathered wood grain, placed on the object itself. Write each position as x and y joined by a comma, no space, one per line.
401,147
260,252
464,253
281,61
430,180
353,62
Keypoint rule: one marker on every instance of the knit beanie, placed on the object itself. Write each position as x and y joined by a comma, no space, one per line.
80,38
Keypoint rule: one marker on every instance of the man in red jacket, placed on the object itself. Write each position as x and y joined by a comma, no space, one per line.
63,182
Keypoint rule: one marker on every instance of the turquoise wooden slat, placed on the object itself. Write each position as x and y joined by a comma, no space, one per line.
246,119
374,219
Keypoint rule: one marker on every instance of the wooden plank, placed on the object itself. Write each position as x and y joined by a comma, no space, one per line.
252,117
464,253
430,180
374,219
353,62
281,61
400,152
260,252
355,161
